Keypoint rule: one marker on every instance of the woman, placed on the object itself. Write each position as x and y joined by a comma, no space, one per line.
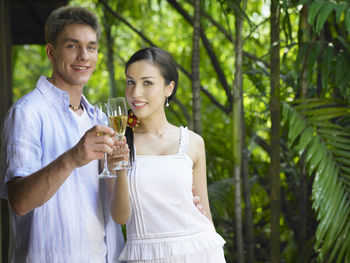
156,200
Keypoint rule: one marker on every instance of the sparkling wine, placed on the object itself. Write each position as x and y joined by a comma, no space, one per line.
118,124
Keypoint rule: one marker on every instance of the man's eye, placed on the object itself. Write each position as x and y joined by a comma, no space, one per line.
92,48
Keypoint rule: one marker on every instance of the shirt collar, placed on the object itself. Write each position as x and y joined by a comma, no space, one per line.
89,108
51,93
54,95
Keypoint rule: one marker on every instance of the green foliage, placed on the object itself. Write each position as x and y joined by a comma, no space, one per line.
326,147
320,11
29,63
317,128
327,65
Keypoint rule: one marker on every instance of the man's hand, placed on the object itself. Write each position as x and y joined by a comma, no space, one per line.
95,142
196,201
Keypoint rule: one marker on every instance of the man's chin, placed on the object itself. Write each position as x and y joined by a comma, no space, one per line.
80,81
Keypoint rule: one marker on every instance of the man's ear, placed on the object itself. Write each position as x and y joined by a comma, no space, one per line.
50,51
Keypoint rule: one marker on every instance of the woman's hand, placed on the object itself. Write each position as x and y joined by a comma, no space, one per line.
120,153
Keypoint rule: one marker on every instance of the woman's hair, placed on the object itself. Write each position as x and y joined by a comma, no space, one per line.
167,67
68,15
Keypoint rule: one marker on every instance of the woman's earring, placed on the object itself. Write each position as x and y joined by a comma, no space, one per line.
167,102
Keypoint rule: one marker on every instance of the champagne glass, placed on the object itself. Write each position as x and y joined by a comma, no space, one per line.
118,118
100,117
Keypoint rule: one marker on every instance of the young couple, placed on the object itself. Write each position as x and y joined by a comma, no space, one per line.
59,210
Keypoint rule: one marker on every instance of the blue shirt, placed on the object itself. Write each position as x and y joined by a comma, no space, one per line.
38,128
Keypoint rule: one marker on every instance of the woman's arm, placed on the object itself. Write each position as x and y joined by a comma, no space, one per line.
197,152
120,199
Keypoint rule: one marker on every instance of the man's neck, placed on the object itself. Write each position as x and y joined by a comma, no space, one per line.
75,92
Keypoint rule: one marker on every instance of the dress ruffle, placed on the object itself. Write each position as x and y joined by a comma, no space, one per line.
156,248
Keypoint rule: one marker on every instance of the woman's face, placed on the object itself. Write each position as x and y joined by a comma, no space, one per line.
146,89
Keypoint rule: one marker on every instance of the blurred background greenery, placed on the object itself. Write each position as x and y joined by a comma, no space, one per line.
313,174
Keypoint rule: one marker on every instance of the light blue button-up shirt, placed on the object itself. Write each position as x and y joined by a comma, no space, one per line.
38,128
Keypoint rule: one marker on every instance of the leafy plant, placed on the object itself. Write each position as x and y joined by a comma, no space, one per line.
313,132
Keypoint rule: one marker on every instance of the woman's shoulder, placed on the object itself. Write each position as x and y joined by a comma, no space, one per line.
195,139
195,136
196,146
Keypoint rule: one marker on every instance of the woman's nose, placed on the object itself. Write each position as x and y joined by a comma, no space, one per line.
137,91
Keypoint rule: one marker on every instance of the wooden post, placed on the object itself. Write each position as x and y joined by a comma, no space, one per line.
5,58
5,103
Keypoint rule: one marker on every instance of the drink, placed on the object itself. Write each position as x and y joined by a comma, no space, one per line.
118,124
118,119
100,112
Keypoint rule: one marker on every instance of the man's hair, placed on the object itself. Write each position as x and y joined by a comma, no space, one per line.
68,15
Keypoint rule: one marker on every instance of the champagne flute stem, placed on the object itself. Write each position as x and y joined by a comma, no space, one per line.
106,163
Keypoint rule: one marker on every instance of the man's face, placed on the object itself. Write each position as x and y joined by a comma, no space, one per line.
74,56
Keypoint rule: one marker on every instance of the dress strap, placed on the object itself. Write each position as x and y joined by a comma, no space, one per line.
183,140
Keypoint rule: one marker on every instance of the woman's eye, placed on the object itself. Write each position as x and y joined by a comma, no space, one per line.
129,82
148,83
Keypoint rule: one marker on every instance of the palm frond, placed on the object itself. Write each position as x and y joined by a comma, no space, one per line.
312,131
220,195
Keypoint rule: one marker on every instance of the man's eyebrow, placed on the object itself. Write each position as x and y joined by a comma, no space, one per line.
71,40
77,41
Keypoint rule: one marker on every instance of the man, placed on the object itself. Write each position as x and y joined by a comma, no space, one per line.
49,157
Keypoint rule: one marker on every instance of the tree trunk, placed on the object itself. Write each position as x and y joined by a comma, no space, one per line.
110,55
248,222
226,109
237,135
302,220
303,28
196,86
275,133
303,180
211,52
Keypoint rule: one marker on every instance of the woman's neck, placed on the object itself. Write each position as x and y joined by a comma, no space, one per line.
154,125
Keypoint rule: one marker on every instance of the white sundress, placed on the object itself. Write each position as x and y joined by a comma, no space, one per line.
165,226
